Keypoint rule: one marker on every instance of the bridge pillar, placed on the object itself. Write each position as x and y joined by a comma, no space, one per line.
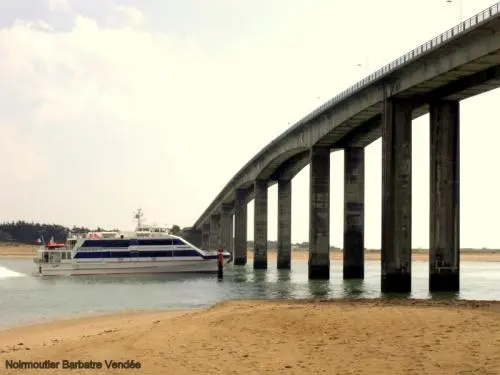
214,232
226,228
354,198
444,249
240,228
205,236
260,225
319,213
193,236
284,224
396,192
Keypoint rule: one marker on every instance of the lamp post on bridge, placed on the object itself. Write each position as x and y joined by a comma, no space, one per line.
459,7
364,65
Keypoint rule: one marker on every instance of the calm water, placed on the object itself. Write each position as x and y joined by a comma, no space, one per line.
25,298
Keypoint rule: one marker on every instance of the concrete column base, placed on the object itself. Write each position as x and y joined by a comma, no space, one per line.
354,272
260,264
444,281
284,264
396,282
240,261
319,272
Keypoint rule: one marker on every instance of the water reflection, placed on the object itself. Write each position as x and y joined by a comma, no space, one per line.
282,283
236,274
126,279
395,295
319,288
444,295
353,288
283,275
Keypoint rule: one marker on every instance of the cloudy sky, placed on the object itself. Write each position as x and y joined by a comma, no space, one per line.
112,105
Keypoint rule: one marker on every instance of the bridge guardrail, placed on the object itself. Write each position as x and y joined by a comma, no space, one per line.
406,58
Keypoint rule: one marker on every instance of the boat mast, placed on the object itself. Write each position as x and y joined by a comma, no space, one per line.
138,215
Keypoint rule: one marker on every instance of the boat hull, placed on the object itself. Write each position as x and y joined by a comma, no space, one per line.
71,268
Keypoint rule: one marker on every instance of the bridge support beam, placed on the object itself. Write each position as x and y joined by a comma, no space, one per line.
226,228
284,224
214,232
319,214
354,198
260,225
205,236
396,192
444,256
240,228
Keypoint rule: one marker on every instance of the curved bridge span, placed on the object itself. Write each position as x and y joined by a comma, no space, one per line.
432,78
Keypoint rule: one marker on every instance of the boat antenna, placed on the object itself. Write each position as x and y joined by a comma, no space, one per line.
138,215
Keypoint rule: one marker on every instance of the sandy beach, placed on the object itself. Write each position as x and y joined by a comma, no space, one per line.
275,337
470,255
21,251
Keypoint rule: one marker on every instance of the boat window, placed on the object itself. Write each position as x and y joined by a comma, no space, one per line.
155,242
178,241
63,255
106,243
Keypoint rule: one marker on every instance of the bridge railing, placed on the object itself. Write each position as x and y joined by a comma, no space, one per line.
400,61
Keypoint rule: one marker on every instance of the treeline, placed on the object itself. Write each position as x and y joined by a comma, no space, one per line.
24,232
27,233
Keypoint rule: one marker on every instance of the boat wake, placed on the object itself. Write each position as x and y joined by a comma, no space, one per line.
6,273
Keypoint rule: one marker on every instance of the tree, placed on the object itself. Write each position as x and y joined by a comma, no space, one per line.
175,230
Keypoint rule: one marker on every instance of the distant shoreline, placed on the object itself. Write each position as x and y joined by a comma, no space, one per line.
298,254
419,256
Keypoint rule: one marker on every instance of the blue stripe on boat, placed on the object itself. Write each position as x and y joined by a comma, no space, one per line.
143,254
137,254
110,243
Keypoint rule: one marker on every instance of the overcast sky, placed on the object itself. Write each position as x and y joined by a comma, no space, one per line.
108,106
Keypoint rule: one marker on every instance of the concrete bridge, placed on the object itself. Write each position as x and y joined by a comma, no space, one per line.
432,78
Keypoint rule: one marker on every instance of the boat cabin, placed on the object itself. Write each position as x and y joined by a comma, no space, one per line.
53,252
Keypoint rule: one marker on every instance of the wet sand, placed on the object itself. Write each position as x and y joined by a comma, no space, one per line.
469,255
275,337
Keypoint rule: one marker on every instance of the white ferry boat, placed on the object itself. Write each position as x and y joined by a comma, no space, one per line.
148,250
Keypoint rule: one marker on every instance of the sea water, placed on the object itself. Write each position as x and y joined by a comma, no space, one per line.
27,299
